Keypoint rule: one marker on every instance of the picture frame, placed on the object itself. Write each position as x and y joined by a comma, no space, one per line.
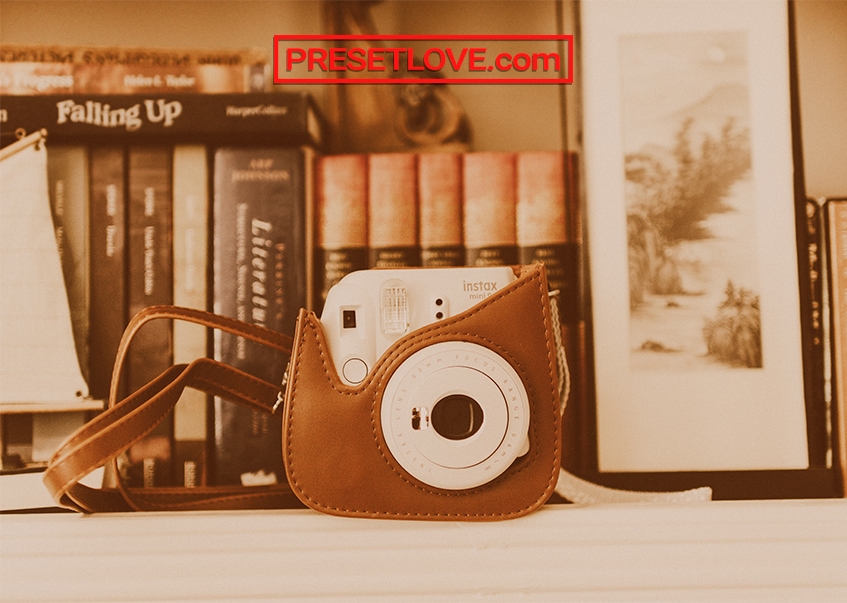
703,363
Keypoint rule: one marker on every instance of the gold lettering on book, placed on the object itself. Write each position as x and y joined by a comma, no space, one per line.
97,113
149,201
149,260
112,212
241,275
261,170
261,244
160,111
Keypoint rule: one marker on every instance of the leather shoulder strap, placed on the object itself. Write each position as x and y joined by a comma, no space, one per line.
126,421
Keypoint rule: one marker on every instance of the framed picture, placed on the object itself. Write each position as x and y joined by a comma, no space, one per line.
691,199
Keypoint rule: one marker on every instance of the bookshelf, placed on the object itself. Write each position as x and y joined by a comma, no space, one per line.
537,125
730,551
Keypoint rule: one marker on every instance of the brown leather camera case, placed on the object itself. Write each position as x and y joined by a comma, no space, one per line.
334,450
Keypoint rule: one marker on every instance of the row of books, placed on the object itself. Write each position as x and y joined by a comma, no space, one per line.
256,247
136,229
394,210
133,208
27,70
448,209
210,202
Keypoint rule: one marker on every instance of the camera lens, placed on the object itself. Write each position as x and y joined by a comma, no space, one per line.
456,417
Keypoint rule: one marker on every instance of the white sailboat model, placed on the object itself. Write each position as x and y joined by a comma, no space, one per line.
38,359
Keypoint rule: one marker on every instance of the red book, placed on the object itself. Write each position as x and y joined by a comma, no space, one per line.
489,209
342,219
393,210
440,207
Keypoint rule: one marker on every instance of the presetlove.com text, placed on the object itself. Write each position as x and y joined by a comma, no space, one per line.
432,59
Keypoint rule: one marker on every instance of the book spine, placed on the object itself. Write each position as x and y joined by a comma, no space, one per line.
261,247
489,206
134,57
39,70
190,249
548,231
393,210
107,265
150,282
541,223
837,259
342,220
32,79
67,176
440,207
164,118
817,357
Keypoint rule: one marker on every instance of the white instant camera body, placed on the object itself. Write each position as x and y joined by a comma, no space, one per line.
455,414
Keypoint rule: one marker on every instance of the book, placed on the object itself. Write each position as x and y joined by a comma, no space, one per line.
489,206
262,250
836,225
149,283
812,248
38,69
548,222
541,223
440,209
157,117
580,421
190,266
107,263
67,177
341,213
392,210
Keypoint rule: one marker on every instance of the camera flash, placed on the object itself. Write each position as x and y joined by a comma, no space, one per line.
394,310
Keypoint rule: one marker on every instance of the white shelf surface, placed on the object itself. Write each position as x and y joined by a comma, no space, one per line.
762,550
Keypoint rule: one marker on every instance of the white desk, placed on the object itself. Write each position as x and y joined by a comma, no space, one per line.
765,550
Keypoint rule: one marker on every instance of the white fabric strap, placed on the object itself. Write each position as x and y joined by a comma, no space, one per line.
583,492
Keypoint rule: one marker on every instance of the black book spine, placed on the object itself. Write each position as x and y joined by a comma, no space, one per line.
212,118
261,267
150,282
107,245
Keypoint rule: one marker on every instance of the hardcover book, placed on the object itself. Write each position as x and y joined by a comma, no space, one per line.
440,209
67,176
393,210
341,199
107,268
488,185
190,249
150,282
836,210
262,266
37,69
159,117
549,231
541,220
